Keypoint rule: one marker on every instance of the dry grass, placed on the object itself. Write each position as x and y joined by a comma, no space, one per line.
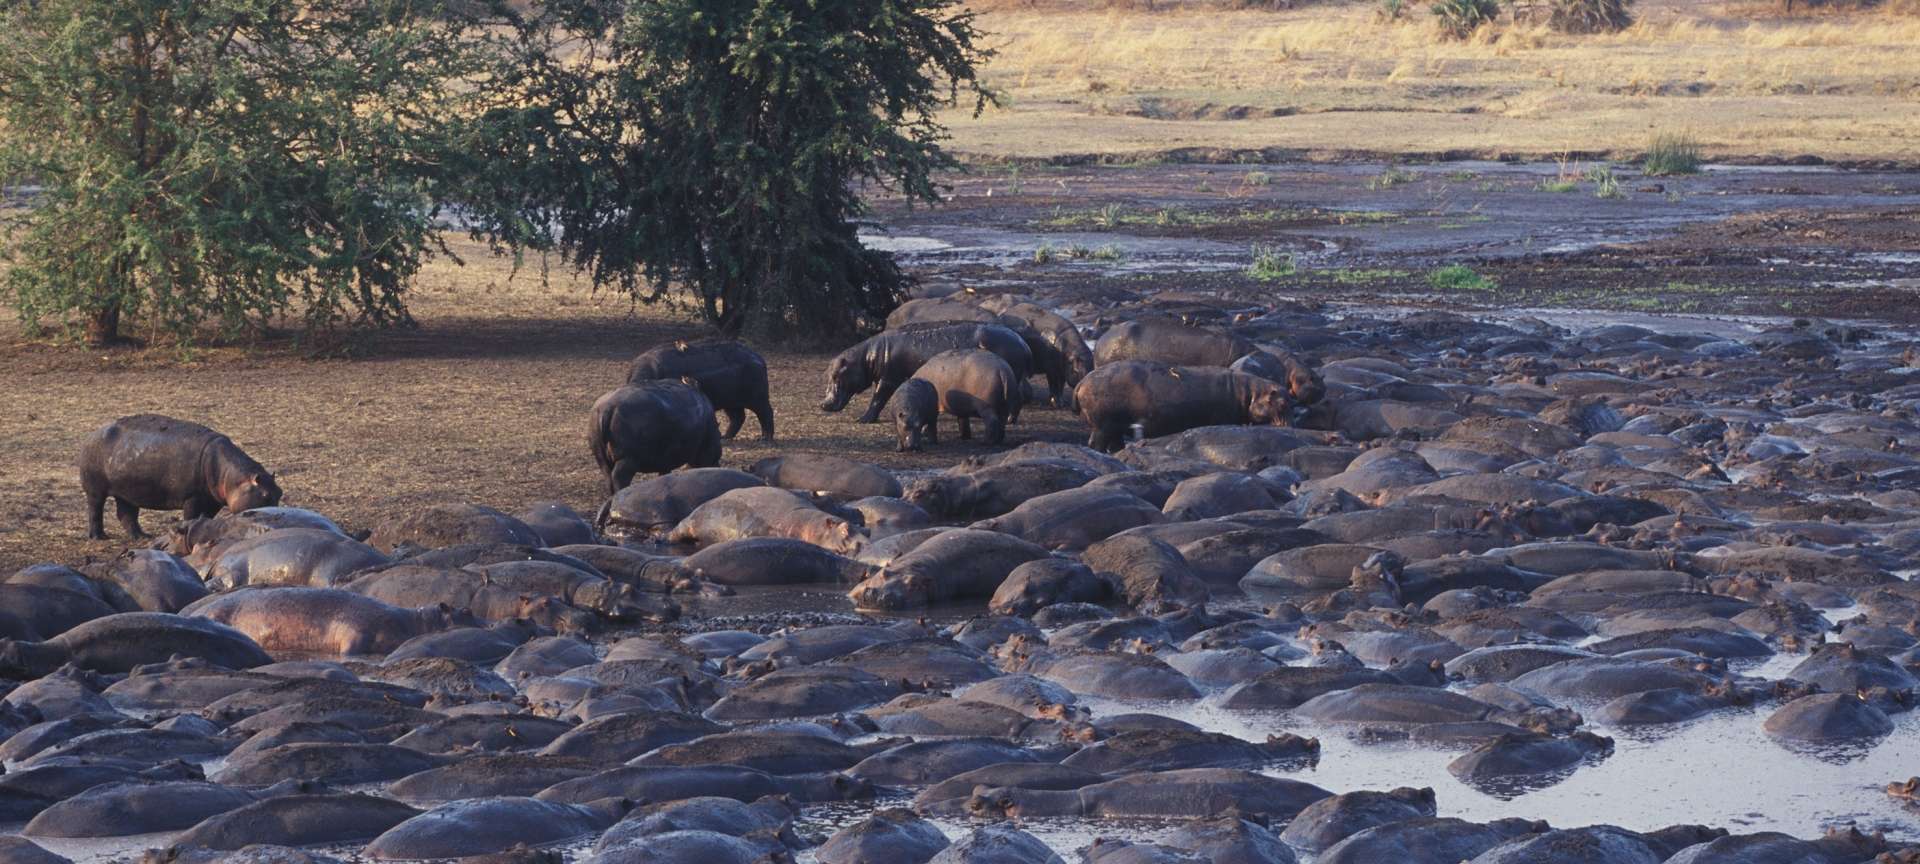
1750,83
486,402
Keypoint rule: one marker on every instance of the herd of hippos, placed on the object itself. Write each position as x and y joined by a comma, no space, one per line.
1425,531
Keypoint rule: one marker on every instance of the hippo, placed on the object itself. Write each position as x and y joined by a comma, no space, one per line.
625,736
118,643
1165,340
923,763
1074,358
1426,841
887,360
1331,820
556,524
322,620
673,783
641,571
705,847
1112,674
821,474
1841,667
1828,717
476,594
1194,793
490,775
1163,400
480,826
159,463
1292,686
1219,494
157,581
1597,844
201,541
137,807
1305,385
819,644
997,844
932,662
773,750
773,561
996,490
297,820
1044,582
974,384
1229,839
1147,574
1030,695
732,376
958,564
651,507
1109,851
1167,750
767,512
292,556
37,611
1840,844
916,419
1514,763
483,733
327,762
806,691
1074,518
771,816
1400,703
891,835
20,850
651,428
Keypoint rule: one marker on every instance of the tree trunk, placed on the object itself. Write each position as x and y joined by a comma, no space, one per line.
103,326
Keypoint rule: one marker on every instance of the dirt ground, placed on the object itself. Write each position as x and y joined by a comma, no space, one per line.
486,402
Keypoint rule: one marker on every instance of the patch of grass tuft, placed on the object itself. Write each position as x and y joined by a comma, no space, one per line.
1259,179
1459,277
1460,18
1393,176
1271,264
1605,185
1671,155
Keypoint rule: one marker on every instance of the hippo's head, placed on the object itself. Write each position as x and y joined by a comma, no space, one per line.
884,591
1270,406
906,433
549,611
258,490
847,376
993,803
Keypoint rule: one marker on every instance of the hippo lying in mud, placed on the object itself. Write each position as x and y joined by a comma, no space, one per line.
1162,400
652,428
887,360
159,463
732,376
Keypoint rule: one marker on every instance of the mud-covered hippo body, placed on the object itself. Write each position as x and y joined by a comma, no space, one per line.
732,376
973,385
152,462
1164,399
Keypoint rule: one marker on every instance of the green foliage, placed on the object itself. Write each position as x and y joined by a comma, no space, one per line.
1258,179
1605,185
1460,18
1393,176
1671,155
195,161
1271,264
1459,277
714,147
1589,16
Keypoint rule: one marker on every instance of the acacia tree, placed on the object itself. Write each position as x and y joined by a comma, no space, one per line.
714,147
228,160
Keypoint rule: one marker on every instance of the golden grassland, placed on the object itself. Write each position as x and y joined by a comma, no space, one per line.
1748,82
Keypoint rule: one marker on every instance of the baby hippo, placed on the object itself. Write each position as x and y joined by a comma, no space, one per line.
916,419
160,463
974,384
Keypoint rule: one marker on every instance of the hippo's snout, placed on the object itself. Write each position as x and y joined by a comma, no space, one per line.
834,402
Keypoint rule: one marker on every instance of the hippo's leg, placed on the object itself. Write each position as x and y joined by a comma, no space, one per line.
199,508
96,508
1107,437
933,432
735,417
763,411
621,476
129,518
966,428
1056,384
880,396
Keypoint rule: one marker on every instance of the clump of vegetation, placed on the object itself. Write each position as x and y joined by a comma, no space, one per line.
1391,10
1460,18
1459,277
1259,179
1670,155
1270,264
1046,254
1393,176
1589,16
1605,185
1566,179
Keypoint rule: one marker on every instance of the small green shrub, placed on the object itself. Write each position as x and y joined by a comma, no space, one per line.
1459,277
1259,178
1589,16
1394,176
1271,264
1669,155
1459,18
1046,254
1605,185
1391,10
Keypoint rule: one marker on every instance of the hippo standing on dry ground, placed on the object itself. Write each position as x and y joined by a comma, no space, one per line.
887,360
652,428
971,384
916,420
1168,399
732,376
159,463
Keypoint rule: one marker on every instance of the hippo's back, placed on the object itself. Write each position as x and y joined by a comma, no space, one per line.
147,456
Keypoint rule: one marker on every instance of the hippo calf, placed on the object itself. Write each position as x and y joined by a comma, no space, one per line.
159,463
732,376
652,427
916,418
